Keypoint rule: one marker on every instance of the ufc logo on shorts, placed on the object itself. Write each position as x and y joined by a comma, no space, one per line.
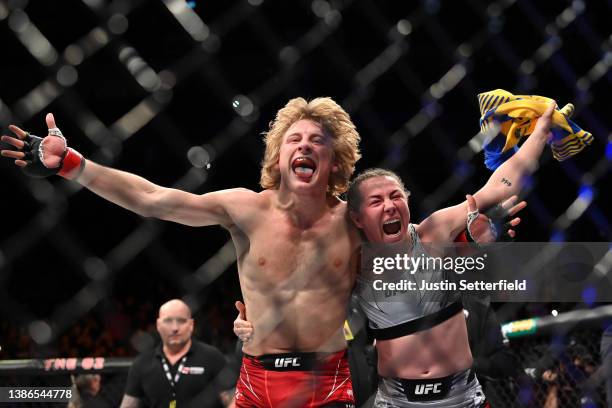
424,389
286,362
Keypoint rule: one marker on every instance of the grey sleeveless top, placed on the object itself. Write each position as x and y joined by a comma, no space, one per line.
413,310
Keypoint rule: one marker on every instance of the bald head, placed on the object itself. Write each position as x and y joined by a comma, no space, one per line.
174,306
175,325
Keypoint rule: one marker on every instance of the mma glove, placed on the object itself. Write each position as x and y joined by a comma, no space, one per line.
71,163
495,219
498,220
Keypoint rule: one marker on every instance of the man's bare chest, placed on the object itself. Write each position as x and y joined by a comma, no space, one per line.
286,252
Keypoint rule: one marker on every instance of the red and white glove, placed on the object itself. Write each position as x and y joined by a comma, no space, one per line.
43,157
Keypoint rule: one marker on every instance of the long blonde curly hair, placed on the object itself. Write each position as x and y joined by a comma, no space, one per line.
333,119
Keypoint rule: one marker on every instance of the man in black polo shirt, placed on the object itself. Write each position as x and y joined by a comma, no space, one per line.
180,372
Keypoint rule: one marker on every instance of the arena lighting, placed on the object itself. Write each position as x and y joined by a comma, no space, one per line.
199,157
118,24
188,18
141,71
32,38
557,236
580,205
67,76
586,193
243,105
404,27
38,98
589,294
554,312
136,118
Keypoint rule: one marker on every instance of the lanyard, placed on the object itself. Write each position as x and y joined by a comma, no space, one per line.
177,376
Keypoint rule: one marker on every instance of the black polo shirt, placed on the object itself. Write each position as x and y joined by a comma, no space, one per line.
202,378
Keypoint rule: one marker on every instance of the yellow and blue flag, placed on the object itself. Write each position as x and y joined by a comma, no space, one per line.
516,115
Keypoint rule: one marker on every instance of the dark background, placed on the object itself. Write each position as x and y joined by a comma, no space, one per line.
131,88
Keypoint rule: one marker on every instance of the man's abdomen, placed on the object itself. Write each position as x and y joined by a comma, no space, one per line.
308,323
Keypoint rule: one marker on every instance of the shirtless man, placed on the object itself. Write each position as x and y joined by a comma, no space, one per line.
424,345
295,246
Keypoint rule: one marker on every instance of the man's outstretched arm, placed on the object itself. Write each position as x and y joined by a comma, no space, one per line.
147,199
49,156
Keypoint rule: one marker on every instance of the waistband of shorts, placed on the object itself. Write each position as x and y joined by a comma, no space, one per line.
430,389
298,361
419,324
468,373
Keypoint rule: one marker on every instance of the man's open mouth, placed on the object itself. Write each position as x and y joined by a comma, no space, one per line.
304,167
392,227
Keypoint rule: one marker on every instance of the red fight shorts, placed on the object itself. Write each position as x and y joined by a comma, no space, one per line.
295,380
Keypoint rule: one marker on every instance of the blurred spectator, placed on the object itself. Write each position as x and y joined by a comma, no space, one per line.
85,390
564,373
